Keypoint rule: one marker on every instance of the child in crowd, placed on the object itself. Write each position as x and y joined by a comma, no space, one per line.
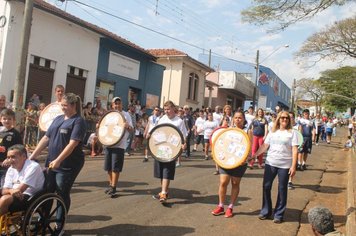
9,136
348,144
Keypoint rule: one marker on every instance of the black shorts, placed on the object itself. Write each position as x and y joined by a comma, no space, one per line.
307,145
236,172
199,139
114,159
19,205
164,170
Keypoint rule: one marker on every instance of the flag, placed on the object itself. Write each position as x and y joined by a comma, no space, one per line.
263,79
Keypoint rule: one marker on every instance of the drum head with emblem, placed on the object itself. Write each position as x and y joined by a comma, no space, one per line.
215,133
165,142
48,114
111,128
230,148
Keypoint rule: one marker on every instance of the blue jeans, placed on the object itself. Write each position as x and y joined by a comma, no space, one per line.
129,142
61,183
281,204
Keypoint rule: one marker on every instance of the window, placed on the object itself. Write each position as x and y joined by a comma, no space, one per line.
193,86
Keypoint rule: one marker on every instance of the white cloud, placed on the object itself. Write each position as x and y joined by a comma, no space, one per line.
215,3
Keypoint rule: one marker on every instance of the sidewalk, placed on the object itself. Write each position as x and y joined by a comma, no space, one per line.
336,189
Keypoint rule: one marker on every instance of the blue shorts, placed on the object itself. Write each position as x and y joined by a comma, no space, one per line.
114,159
307,145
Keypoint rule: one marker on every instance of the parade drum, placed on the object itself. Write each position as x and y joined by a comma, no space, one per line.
165,142
230,148
215,133
111,128
48,114
300,139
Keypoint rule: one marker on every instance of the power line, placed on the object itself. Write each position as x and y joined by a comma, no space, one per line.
152,30
138,25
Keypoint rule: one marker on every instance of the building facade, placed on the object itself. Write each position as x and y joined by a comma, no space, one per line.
272,91
184,78
86,59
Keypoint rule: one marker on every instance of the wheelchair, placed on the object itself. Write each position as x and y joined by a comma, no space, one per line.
45,215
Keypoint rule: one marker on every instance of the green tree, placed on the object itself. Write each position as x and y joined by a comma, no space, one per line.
309,89
339,87
284,13
336,40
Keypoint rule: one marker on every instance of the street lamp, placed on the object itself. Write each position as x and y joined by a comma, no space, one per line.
258,70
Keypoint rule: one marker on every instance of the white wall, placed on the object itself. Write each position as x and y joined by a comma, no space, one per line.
55,39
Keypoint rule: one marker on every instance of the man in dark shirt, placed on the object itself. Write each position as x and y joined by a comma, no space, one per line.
189,123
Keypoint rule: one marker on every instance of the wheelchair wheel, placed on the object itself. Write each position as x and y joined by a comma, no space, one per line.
45,216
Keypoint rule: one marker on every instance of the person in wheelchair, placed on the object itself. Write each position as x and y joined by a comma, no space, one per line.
23,179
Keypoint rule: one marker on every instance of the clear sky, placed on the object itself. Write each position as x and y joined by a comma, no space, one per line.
210,24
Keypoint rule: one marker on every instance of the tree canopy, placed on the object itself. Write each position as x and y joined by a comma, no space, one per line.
339,88
336,40
284,13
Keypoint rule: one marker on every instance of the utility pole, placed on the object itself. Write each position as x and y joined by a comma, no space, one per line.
22,61
293,93
256,80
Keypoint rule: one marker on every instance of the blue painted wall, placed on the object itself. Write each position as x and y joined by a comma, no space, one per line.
281,98
150,74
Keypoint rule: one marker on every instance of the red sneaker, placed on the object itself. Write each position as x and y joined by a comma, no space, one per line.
218,211
228,213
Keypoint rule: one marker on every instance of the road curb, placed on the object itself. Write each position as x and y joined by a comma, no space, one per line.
351,187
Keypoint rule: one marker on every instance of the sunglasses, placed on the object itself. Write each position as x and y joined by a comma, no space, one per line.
284,118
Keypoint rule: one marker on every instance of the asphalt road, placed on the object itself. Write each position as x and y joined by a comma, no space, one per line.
193,195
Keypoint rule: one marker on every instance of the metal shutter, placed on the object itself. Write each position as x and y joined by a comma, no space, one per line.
40,82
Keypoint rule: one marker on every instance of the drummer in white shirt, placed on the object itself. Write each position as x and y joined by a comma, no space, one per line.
166,170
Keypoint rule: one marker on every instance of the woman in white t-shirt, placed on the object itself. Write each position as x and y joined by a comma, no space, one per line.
209,125
281,160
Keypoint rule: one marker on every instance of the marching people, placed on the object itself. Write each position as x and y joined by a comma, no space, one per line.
64,139
165,171
250,116
259,127
318,122
130,137
189,123
295,126
152,122
199,130
307,128
217,115
209,125
227,116
231,175
282,145
114,155
329,126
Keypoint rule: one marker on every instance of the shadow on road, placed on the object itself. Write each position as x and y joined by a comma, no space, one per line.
86,218
320,189
131,229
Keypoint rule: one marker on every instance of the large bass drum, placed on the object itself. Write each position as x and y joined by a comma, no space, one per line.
48,114
165,142
231,148
215,133
111,128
